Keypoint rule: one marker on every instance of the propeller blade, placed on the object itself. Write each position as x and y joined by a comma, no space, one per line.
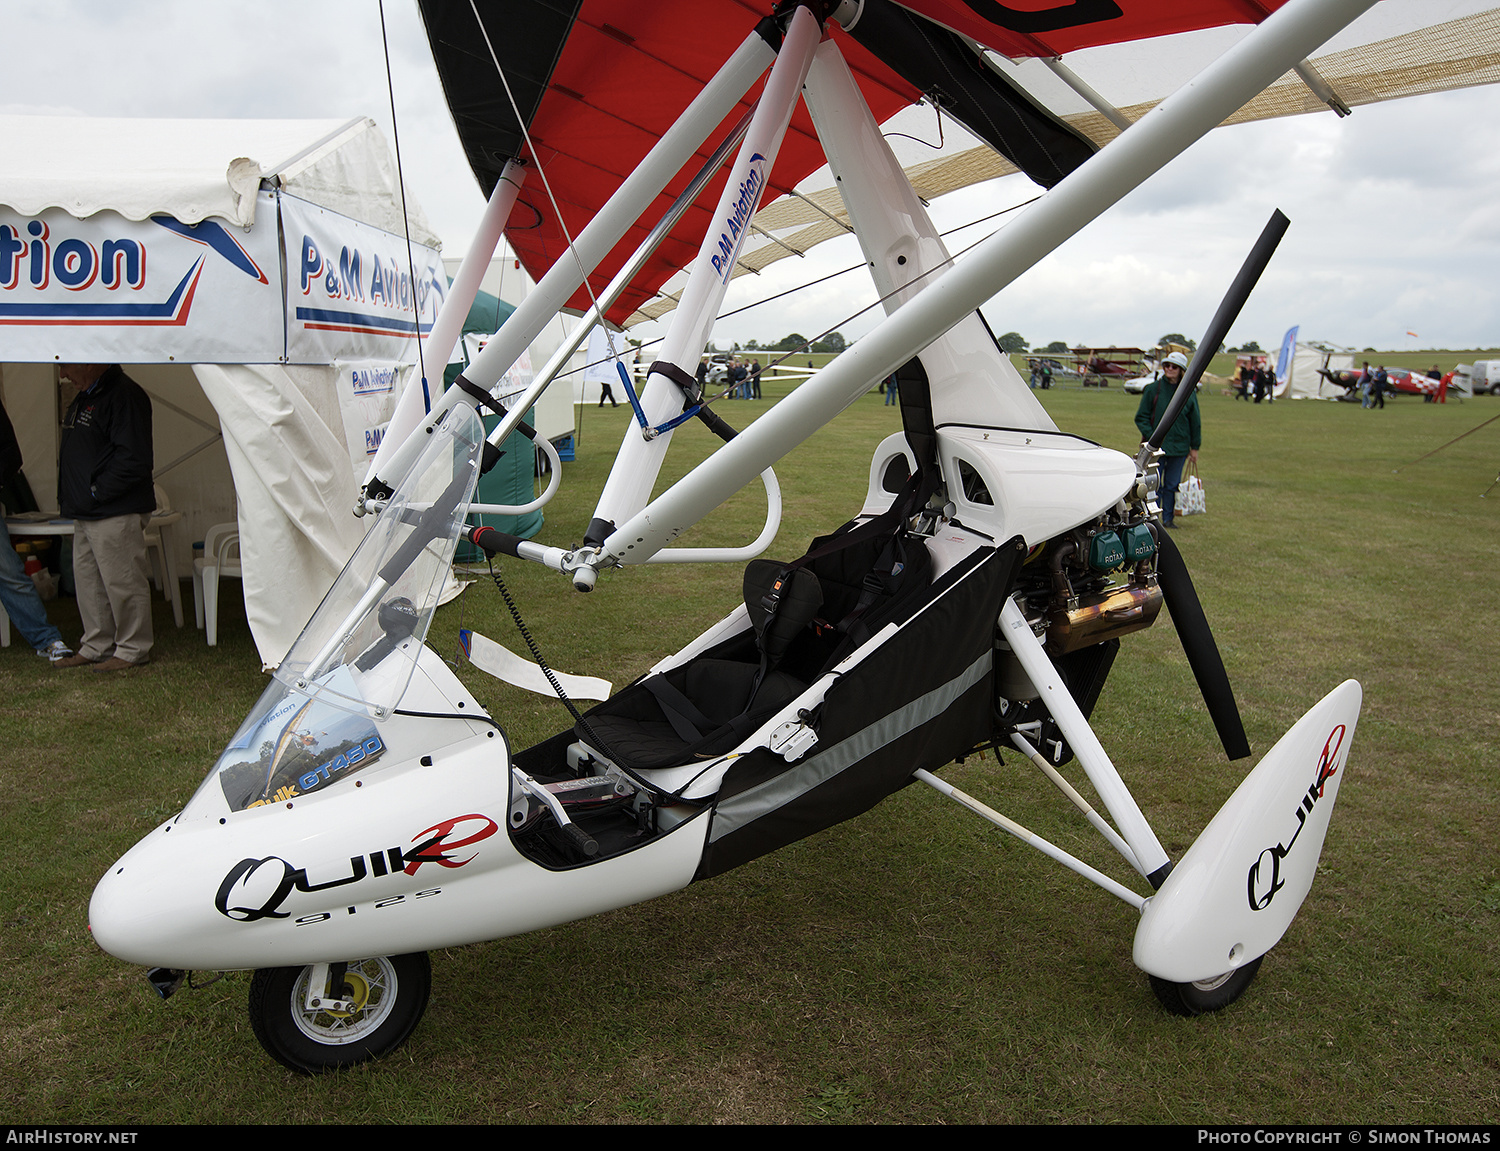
1229,310
1176,585
1198,642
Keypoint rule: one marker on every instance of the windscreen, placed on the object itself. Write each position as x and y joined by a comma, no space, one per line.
319,720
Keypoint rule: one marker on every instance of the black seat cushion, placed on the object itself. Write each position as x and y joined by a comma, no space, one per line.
637,732
805,617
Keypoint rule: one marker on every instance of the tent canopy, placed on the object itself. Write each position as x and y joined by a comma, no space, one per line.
269,256
193,169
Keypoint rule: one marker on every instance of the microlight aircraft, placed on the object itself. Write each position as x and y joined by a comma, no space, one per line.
369,809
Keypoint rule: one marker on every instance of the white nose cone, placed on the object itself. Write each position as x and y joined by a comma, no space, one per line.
1238,888
133,905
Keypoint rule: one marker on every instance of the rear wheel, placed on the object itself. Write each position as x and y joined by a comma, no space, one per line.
1205,995
384,999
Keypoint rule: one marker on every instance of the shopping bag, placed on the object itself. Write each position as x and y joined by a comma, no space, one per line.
1190,501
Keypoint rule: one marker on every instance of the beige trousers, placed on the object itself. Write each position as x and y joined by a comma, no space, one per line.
114,587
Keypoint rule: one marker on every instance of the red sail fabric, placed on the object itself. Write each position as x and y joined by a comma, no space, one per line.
625,69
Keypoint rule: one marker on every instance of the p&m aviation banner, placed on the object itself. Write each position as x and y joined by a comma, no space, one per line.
110,290
350,290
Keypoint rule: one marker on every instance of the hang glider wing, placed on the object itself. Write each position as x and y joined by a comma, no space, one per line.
583,88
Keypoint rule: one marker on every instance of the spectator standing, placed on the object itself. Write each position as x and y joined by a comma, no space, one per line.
104,484
1183,438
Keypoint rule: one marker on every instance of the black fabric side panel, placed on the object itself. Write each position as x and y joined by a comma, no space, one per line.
926,697
915,397
946,70
528,36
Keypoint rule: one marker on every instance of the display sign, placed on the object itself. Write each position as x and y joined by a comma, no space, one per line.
353,292
110,290
368,391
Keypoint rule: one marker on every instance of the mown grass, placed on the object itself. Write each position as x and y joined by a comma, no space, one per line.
913,964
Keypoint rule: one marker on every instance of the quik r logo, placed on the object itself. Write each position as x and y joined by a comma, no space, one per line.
1264,879
256,888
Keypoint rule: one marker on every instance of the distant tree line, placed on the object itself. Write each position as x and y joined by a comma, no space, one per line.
1012,343
832,343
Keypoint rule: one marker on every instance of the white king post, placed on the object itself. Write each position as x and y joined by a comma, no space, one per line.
640,456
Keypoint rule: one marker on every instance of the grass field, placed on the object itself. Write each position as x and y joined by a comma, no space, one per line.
912,965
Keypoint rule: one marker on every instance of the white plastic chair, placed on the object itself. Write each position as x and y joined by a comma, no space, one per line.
159,555
155,556
221,557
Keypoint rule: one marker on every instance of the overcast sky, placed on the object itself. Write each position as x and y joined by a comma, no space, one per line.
1395,220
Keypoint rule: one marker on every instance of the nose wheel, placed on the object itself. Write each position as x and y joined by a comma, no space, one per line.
325,1017
1207,994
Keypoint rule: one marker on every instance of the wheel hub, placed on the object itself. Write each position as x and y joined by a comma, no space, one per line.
358,997
370,986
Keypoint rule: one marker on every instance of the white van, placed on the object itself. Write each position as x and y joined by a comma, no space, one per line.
1484,376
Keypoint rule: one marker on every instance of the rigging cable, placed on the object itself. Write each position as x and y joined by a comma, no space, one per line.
546,184
411,269
541,662
821,280
1454,440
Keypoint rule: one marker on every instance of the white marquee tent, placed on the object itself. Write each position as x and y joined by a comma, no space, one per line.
1305,382
255,278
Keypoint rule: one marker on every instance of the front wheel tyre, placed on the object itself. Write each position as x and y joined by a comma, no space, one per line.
1206,994
386,997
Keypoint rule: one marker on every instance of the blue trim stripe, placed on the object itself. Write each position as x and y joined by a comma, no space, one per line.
102,313
396,327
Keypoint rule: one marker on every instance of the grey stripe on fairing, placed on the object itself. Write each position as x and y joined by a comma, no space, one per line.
741,810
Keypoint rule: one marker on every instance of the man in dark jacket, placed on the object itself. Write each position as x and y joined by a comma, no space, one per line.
1183,438
104,483
18,595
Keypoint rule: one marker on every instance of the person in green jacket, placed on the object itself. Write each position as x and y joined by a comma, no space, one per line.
1184,437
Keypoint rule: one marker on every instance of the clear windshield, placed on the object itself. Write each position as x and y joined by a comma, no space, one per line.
318,721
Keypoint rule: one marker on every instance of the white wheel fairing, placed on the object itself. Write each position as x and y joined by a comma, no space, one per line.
1238,888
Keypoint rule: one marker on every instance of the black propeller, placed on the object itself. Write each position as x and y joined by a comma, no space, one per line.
1176,585
1202,652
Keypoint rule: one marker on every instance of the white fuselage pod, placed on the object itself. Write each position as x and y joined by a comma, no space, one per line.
1032,484
410,855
